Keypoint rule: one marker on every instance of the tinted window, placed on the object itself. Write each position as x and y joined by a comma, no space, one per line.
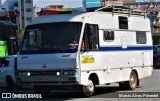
90,39
108,35
28,1
28,9
123,22
10,32
141,37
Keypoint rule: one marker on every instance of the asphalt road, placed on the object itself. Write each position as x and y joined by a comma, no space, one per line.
149,90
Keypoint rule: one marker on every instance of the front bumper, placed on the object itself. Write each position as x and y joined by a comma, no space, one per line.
47,78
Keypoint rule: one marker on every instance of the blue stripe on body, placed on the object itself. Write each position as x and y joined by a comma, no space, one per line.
138,48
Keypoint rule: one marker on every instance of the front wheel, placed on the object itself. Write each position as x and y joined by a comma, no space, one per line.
10,84
89,89
132,83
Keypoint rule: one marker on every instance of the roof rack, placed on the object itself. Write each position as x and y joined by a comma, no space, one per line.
122,10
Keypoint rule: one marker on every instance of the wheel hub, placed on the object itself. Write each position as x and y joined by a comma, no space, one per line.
133,80
90,86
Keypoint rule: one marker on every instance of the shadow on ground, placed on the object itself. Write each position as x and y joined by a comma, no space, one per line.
100,92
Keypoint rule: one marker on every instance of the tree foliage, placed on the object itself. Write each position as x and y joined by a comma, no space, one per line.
20,32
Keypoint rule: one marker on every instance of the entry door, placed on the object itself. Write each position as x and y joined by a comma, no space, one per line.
89,47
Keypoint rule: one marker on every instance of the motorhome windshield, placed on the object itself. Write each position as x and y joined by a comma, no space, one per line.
60,37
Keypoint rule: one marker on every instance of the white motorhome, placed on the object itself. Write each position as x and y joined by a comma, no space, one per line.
111,44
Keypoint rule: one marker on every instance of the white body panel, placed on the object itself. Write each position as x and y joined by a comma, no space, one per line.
52,61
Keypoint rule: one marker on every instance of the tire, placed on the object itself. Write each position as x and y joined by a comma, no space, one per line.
10,84
89,89
133,81
44,90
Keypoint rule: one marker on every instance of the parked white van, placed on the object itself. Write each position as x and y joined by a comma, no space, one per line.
7,73
111,44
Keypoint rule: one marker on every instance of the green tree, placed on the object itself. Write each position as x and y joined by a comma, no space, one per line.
20,33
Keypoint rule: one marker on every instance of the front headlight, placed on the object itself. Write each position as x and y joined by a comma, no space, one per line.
28,74
58,73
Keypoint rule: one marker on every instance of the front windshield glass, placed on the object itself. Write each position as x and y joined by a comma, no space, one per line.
51,38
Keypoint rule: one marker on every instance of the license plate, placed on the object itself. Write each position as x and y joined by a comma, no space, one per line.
43,78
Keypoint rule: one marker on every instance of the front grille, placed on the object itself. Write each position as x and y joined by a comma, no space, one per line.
49,82
34,73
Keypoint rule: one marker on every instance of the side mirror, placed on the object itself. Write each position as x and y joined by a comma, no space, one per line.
4,62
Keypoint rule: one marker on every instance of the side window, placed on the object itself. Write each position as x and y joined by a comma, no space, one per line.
141,37
90,39
28,1
35,41
32,41
123,22
12,47
32,37
28,9
108,35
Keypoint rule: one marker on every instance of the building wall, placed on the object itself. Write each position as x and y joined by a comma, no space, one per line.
0,2
114,2
125,2
26,11
66,3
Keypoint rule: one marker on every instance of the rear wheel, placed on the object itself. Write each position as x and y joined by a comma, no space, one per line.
88,90
132,83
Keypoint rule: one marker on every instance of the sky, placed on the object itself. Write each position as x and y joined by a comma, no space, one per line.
70,3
